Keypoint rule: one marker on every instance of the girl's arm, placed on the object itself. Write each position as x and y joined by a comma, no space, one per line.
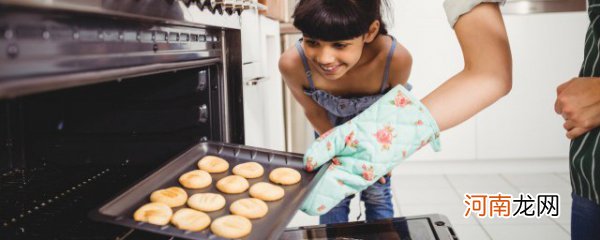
487,73
400,66
315,114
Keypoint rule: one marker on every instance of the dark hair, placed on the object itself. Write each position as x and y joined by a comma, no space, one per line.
332,20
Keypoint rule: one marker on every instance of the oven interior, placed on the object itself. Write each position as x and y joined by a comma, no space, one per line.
66,152
95,95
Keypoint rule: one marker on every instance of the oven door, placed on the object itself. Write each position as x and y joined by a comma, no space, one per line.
426,227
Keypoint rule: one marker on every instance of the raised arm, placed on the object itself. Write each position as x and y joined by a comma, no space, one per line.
487,73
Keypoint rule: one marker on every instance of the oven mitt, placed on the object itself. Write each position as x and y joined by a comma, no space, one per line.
367,147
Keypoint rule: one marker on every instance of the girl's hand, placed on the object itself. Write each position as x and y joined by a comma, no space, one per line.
382,179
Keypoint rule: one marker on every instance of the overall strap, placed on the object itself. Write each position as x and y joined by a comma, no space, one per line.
305,63
386,72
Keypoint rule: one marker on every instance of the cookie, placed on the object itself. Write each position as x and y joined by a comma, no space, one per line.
190,219
251,208
233,184
284,176
266,191
249,170
196,179
206,202
156,213
173,196
213,164
231,226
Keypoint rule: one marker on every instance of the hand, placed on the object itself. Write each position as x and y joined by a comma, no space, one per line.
578,102
382,179
368,147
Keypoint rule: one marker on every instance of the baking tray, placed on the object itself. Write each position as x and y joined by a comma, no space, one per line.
120,209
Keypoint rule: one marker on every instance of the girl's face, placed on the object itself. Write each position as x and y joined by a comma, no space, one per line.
333,59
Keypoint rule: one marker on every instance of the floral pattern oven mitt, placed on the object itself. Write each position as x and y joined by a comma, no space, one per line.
367,147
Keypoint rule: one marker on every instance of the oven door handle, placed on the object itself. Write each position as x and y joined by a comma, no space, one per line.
254,81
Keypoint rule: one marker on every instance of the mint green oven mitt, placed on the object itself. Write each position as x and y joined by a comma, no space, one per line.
367,147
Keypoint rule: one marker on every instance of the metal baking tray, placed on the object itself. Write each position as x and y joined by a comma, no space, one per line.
120,209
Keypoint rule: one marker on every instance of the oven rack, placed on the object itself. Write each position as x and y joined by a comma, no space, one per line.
33,190
10,173
60,210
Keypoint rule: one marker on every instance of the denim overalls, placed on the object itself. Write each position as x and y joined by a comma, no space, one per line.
377,197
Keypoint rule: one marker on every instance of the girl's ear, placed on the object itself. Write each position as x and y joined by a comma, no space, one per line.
373,31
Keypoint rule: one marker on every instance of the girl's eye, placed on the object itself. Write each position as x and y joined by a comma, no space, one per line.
339,45
311,43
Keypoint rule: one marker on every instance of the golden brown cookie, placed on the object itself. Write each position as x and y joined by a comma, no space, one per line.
196,179
213,164
173,196
156,213
251,208
266,191
231,226
206,202
233,184
249,170
285,176
190,219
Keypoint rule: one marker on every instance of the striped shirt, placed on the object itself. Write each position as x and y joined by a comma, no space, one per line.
584,154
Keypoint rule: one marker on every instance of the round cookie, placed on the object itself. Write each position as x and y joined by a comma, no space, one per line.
251,208
233,184
231,226
284,176
249,170
173,196
190,219
206,202
266,191
213,164
196,179
155,213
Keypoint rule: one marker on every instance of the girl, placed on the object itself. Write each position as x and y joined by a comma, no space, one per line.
344,62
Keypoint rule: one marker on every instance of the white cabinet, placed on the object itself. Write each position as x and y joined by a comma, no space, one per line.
251,55
262,86
250,30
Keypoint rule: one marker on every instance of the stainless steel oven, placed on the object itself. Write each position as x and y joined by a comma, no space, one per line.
94,94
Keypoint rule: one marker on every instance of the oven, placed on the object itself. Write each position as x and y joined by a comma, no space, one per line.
95,94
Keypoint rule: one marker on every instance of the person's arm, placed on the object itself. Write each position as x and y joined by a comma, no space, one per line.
398,124
578,102
316,115
487,73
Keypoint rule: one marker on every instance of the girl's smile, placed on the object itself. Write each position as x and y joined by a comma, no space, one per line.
330,69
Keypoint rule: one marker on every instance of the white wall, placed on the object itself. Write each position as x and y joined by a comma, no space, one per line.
543,58
547,50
